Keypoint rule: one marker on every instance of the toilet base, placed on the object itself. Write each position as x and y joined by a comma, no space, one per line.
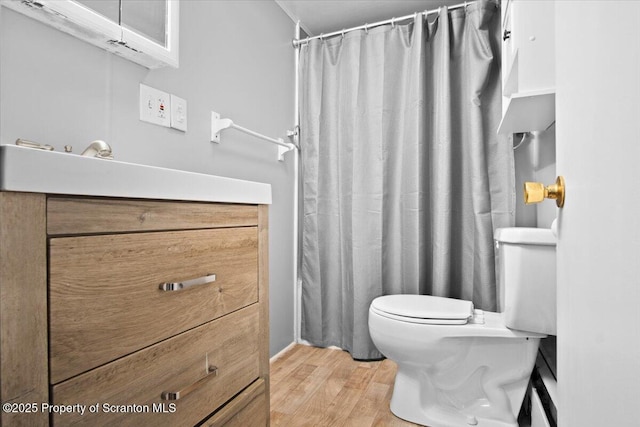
419,398
457,375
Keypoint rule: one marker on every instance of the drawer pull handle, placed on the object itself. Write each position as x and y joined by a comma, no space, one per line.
176,286
212,371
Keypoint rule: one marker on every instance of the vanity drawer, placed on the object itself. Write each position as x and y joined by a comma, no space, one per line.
85,215
106,298
248,408
178,364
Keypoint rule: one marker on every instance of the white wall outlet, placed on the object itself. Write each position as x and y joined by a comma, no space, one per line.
178,113
215,136
155,106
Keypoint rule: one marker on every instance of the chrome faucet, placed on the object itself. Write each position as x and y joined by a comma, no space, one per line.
99,149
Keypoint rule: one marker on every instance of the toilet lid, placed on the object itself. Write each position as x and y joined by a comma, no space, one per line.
433,309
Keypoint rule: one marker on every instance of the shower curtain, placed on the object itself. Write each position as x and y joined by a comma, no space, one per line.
404,177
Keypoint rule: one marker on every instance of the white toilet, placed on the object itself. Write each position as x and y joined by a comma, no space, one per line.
458,366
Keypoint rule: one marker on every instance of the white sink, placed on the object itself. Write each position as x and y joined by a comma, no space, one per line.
39,171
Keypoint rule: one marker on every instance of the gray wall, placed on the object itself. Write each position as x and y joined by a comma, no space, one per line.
535,160
235,58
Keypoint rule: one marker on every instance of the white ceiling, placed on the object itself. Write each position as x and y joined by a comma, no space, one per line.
324,16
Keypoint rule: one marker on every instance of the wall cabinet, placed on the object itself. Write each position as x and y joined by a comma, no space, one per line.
145,32
160,307
528,66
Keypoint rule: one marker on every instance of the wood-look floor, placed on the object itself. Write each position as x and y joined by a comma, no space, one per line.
325,387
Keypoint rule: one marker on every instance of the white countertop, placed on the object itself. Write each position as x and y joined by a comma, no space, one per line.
39,171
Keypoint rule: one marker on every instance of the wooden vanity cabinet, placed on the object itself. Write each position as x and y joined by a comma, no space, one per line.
154,312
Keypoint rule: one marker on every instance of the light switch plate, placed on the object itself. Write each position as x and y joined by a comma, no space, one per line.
155,106
178,113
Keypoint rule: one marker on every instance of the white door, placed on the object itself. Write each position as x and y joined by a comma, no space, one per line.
598,152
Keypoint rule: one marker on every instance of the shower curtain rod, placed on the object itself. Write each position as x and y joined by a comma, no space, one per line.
298,42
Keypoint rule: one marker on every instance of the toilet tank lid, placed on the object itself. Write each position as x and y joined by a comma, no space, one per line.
424,306
525,236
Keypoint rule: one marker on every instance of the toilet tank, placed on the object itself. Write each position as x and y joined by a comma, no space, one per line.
526,274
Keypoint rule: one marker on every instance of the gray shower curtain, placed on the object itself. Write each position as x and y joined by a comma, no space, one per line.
404,177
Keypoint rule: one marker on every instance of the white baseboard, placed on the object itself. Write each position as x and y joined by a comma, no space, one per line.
282,352
293,344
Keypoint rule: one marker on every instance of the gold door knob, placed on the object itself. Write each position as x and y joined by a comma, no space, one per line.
535,192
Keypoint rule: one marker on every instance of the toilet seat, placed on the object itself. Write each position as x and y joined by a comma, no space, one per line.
424,309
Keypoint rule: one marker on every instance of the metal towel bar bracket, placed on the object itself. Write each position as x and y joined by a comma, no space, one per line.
218,124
